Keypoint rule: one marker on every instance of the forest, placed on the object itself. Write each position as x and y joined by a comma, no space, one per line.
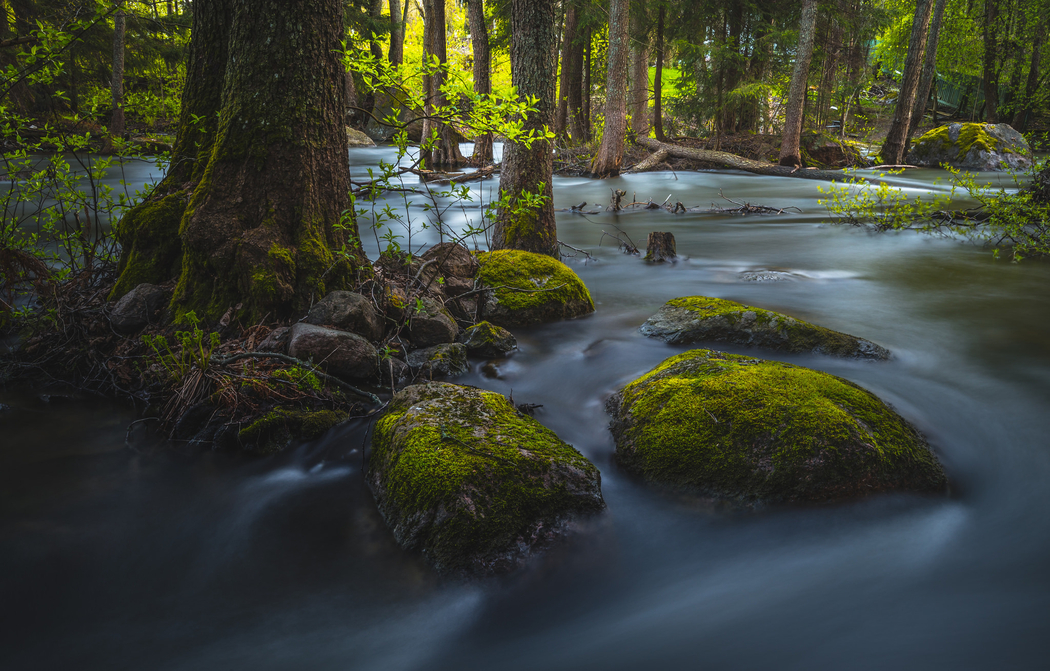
521,333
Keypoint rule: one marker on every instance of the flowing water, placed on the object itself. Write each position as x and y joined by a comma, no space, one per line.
117,551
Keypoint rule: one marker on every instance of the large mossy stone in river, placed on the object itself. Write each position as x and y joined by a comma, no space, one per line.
691,319
476,486
972,146
747,429
528,288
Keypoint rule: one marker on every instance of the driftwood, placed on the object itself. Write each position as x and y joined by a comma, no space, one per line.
651,161
660,247
735,162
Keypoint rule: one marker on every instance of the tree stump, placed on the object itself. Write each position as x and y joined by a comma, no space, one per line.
660,247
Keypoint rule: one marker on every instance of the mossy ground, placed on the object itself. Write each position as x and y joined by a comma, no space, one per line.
461,475
745,428
535,286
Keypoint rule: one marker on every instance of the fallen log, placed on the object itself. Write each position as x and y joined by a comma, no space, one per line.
735,162
650,161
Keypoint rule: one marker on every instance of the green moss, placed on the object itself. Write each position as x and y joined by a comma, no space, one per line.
469,457
537,286
304,379
151,249
741,427
278,428
971,136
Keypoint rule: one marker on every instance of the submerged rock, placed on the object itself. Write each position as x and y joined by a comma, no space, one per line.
695,318
349,311
136,308
972,146
488,340
529,288
445,360
279,428
460,475
341,353
748,429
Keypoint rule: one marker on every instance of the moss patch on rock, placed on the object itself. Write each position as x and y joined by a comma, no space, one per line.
474,485
279,428
974,146
741,428
528,288
701,318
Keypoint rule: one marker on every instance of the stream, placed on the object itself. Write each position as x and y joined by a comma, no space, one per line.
119,551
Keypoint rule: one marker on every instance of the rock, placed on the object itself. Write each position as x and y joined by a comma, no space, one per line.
348,311
137,307
529,288
660,247
457,286
395,302
431,325
452,260
972,146
279,428
343,354
488,340
741,428
356,138
445,360
825,150
275,341
700,318
460,475
393,371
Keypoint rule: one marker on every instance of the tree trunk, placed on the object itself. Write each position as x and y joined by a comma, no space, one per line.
991,76
444,152
1020,120
929,69
568,50
397,33
479,41
893,147
789,152
116,122
640,85
586,93
658,115
573,64
660,247
534,69
607,161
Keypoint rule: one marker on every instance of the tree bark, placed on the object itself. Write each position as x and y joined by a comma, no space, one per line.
116,122
479,40
640,83
929,69
897,138
789,151
991,75
586,93
658,114
397,33
1020,120
568,51
533,54
607,161
445,151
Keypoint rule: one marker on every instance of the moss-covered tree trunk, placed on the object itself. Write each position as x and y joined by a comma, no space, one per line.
533,50
479,40
607,161
270,183
445,151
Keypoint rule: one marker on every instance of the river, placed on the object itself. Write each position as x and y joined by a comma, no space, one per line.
118,551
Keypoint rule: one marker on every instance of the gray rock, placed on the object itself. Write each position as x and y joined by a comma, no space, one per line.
459,475
356,138
275,341
445,360
701,318
972,146
343,354
488,340
431,325
452,260
347,311
136,308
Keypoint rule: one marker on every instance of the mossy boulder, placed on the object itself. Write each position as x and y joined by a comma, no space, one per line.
528,288
747,429
279,428
445,360
972,146
693,319
476,486
487,340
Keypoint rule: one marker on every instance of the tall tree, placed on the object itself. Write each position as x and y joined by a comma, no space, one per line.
262,222
116,121
529,169
897,138
570,67
789,144
1020,120
479,40
929,70
991,56
658,113
445,151
639,91
397,33
607,161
